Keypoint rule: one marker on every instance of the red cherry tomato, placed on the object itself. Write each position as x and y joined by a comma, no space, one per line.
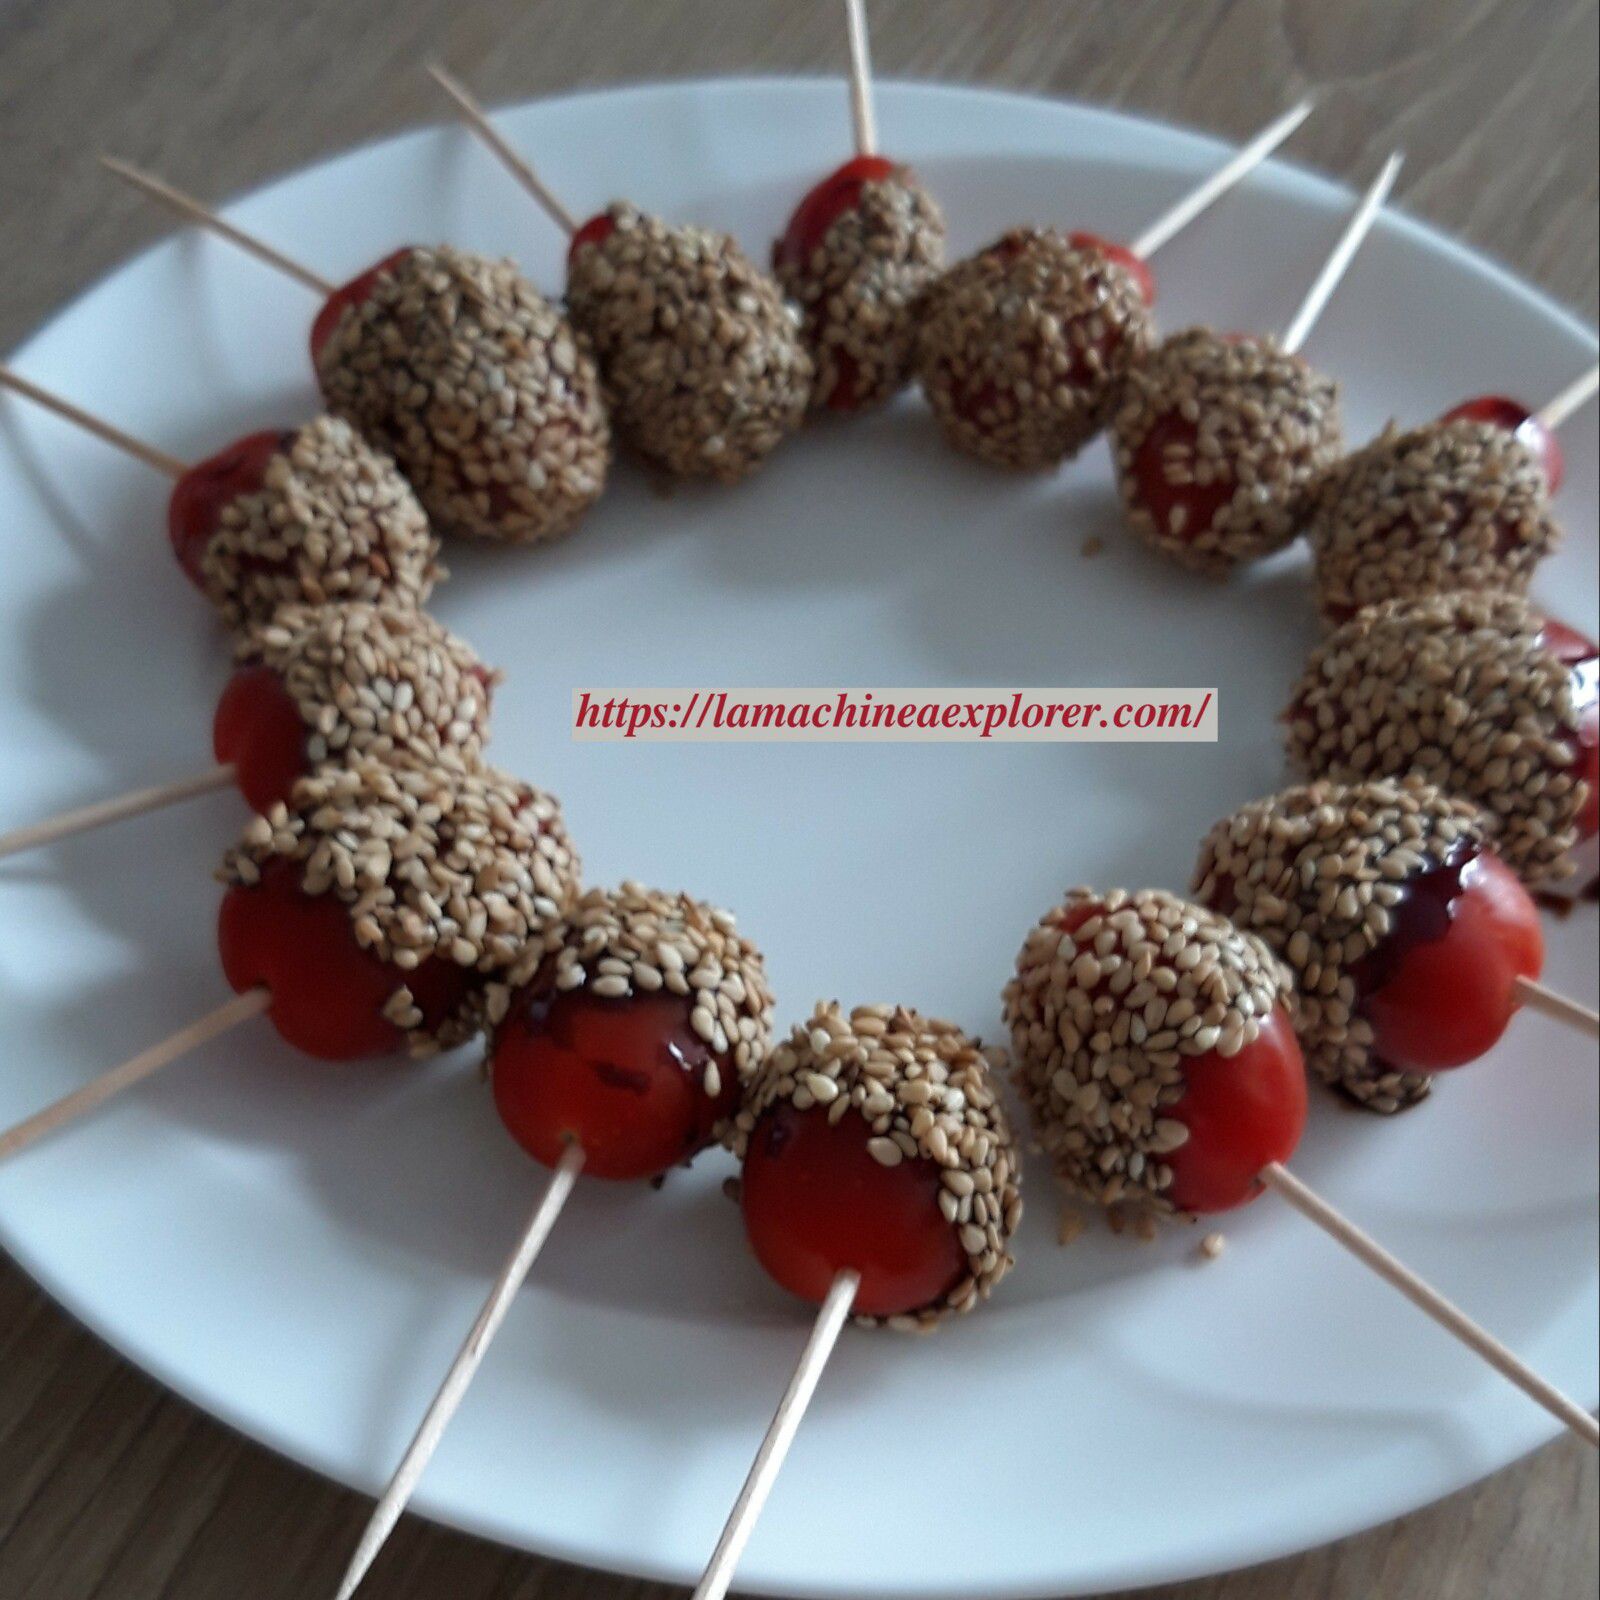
1567,645
1446,996
1200,502
258,727
328,993
201,494
595,231
1500,412
1242,1112
352,294
816,1201
1138,269
838,193
625,1079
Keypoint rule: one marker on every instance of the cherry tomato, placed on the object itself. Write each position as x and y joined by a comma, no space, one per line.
624,1078
1567,645
258,727
838,193
1242,1112
595,231
328,993
200,496
1200,502
1516,419
1125,258
816,1201
352,294
1441,989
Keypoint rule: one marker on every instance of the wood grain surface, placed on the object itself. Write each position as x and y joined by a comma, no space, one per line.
110,1489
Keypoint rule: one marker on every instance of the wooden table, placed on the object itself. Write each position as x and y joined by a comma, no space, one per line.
111,1489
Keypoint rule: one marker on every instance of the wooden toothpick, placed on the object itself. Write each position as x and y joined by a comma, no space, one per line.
462,1370
193,210
862,114
1344,252
1429,1301
144,1065
104,812
477,119
1536,997
1204,195
1574,397
780,1436
101,429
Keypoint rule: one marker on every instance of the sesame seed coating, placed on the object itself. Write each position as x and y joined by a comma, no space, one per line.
1023,348
922,1090
1236,412
488,399
1460,690
1112,991
1449,506
464,867
1316,871
333,521
860,290
377,682
703,362
634,940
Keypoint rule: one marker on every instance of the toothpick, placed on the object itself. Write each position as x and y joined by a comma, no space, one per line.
137,448
144,1065
454,1388
194,211
1428,1300
862,114
477,119
1226,177
104,812
779,1437
1538,998
1337,264
1574,397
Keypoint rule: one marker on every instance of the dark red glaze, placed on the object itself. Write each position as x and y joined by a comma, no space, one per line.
352,294
1441,988
623,1078
328,993
595,231
200,496
1243,1112
1135,266
1582,657
1499,412
816,1202
258,727
838,193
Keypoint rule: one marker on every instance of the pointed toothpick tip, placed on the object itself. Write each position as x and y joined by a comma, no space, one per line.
1215,185
1353,236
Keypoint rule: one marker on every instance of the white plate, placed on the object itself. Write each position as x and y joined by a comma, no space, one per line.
299,1248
